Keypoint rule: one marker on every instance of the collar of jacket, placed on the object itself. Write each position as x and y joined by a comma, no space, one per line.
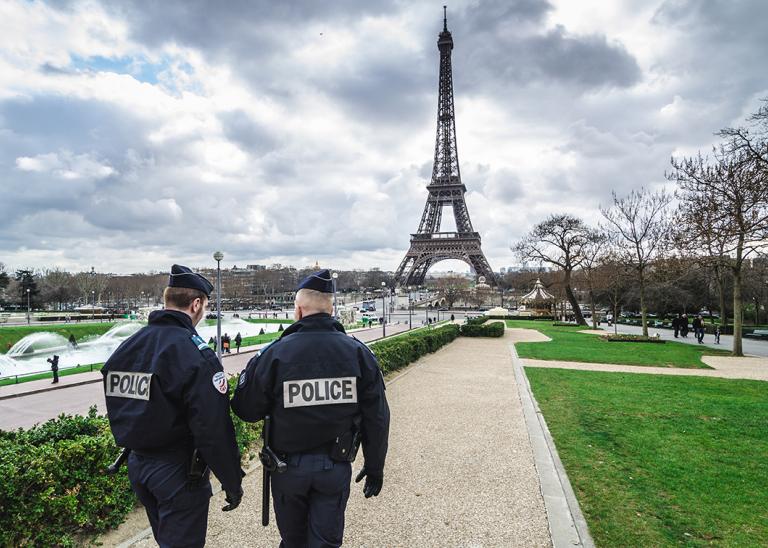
171,317
315,322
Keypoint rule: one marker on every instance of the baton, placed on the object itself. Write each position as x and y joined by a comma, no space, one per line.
265,470
115,466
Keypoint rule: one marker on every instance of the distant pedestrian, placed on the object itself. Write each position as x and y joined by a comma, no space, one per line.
225,343
54,361
698,329
452,318
72,341
676,321
238,341
717,334
684,326
212,341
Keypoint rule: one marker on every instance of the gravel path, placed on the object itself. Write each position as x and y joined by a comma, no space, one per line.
724,367
460,470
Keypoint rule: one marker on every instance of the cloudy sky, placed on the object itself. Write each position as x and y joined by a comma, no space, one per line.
136,134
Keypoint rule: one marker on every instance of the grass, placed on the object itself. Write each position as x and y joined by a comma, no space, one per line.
13,334
660,460
569,345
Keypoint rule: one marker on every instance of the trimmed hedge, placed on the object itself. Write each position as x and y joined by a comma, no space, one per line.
397,352
494,329
53,485
54,488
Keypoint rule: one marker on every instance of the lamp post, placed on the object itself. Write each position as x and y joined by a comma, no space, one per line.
218,256
29,309
383,311
93,306
335,277
410,309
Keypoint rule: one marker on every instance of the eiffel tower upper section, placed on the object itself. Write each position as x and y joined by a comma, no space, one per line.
429,245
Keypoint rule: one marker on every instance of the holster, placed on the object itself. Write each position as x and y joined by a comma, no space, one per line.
197,467
347,444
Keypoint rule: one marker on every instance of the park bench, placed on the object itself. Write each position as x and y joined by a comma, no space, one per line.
758,334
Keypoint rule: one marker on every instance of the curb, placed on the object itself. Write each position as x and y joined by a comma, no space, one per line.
567,525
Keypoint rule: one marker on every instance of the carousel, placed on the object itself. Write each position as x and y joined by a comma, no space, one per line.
539,302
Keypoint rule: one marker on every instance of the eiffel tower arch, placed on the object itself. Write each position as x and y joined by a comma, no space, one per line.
429,245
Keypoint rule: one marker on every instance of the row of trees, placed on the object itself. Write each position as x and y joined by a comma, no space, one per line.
716,219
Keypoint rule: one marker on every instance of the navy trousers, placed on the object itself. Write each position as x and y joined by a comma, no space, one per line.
177,508
310,498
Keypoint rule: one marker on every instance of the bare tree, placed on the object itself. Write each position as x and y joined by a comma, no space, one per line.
612,278
452,288
727,194
639,225
560,240
594,253
56,287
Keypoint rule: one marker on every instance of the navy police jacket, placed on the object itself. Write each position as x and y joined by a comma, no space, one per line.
167,392
314,381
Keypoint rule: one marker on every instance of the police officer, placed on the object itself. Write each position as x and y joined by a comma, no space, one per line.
321,388
167,402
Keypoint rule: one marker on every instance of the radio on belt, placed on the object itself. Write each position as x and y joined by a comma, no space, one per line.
319,391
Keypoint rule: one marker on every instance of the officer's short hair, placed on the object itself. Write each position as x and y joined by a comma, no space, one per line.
316,300
182,297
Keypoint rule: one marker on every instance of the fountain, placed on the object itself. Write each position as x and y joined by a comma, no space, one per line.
37,343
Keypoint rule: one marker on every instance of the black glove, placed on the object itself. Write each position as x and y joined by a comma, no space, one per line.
233,499
373,482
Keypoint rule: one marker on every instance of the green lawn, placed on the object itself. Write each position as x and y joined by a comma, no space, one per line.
569,345
659,460
13,334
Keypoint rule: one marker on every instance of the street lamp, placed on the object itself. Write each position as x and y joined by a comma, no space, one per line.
93,307
335,277
383,311
218,256
410,309
29,309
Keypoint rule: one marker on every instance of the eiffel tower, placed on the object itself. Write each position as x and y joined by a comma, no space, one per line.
429,245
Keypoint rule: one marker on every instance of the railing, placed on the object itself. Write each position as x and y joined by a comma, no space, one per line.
48,371
446,236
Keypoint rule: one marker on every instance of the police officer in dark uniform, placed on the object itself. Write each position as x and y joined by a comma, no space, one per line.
167,402
322,390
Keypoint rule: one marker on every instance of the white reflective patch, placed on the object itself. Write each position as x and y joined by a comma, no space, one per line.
220,382
123,384
319,392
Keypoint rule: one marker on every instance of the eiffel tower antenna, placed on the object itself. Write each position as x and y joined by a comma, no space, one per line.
429,245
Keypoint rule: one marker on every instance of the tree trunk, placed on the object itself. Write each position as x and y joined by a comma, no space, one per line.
592,307
737,312
721,294
572,299
643,311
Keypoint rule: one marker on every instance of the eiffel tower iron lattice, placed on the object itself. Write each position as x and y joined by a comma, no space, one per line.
428,244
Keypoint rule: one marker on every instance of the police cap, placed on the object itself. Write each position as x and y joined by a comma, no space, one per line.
319,281
181,276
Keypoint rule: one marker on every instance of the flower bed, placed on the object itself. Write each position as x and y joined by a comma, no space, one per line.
624,337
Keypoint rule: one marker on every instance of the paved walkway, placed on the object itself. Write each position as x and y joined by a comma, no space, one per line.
723,367
460,470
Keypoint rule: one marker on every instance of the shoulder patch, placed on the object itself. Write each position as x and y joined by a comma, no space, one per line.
220,382
199,342
242,379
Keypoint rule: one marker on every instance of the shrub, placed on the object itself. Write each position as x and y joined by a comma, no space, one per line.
396,353
494,329
53,483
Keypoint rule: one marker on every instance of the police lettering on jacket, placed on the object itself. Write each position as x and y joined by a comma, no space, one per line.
319,391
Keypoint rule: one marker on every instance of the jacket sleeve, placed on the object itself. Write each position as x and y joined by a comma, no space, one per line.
253,396
208,419
375,411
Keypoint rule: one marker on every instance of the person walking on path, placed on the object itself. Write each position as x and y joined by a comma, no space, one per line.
54,361
684,326
238,341
212,341
717,334
170,409
324,392
676,321
698,329
225,343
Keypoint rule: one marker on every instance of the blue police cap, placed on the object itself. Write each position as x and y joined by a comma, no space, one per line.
181,276
319,281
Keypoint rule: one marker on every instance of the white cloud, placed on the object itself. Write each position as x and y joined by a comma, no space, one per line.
66,165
